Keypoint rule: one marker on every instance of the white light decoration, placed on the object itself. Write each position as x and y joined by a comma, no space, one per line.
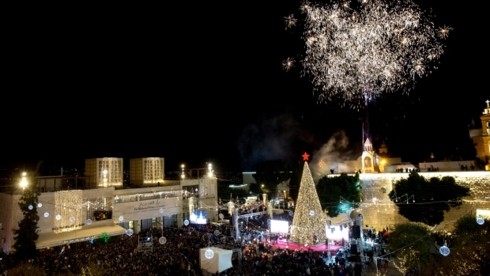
23,181
182,171
104,177
162,240
161,210
68,207
46,214
357,53
444,250
30,207
480,220
110,172
217,232
121,218
88,221
39,205
312,213
153,171
210,170
186,222
209,253
129,232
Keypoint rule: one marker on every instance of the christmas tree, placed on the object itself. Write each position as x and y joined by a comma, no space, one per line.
309,220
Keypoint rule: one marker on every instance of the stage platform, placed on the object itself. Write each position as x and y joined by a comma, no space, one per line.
282,243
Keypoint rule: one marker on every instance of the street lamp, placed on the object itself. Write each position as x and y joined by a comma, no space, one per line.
182,171
23,181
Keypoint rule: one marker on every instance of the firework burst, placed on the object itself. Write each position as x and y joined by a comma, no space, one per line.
356,53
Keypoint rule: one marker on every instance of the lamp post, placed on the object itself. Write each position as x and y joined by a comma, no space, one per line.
23,181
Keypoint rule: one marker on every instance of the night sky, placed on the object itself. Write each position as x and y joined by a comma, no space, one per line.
197,83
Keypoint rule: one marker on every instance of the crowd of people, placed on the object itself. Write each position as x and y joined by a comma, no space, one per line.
179,254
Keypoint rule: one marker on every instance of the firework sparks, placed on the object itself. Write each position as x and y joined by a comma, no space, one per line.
290,21
288,64
356,54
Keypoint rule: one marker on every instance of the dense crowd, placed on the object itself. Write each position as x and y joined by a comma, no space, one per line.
179,254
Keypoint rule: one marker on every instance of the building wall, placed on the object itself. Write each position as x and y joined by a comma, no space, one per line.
8,219
379,211
481,137
67,211
104,172
146,171
447,166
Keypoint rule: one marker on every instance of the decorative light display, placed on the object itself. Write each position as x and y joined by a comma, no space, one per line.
309,221
209,253
129,232
356,53
68,208
480,220
162,240
105,237
379,209
444,250
110,172
153,172
210,170
186,222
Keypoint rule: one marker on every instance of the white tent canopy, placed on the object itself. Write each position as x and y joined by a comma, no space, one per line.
215,260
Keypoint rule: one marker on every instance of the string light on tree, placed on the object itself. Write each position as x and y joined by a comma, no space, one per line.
355,52
309,221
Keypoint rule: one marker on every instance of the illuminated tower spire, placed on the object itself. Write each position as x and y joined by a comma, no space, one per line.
309,220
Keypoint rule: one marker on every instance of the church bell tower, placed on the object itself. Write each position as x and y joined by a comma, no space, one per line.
481,137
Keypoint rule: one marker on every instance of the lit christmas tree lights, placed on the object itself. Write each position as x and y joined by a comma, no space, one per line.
309,220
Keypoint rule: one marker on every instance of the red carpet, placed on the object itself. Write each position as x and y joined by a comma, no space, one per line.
296,246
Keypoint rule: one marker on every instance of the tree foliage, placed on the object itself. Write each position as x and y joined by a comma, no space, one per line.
422,200
470,250
412,245
26,235
338,194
